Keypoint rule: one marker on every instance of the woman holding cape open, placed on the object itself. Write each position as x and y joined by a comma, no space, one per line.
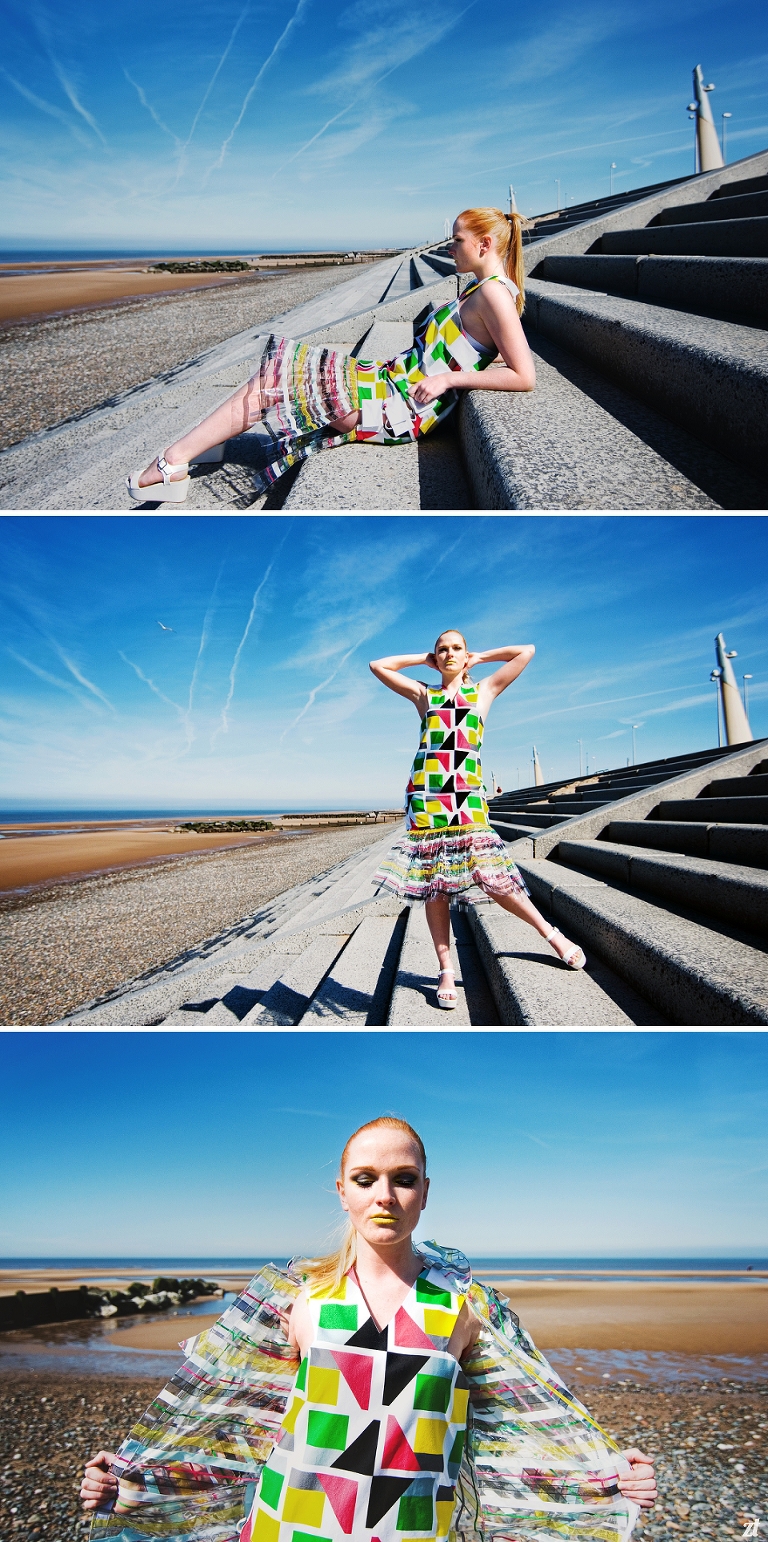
379,1394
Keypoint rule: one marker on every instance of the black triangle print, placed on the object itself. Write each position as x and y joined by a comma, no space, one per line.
361,1455
448,785
385,1492
461,713
461,797
368,1337
400,1370
459,756
449,743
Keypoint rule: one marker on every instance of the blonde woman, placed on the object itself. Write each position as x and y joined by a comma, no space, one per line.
308,398
449,845
376,1395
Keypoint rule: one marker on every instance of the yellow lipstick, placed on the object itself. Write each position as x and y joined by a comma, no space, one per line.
384,1220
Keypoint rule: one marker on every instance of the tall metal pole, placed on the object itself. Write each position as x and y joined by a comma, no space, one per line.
512,203
723,116
613,169
737,729
745,678
634,756
715,678
581,767
537,773
710,154
557,182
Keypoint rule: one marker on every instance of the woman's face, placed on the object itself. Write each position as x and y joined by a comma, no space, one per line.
383,1187
451,655
466,248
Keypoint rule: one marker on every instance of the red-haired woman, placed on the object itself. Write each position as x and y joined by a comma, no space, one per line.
308,398
449,845
342,1387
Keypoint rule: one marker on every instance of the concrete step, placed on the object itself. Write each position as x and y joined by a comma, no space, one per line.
728,206
729,285
752,811
709,376
533,819
707,238
512,831
285,1003
226,1000
732,893
532,988
754,785
414,1000
358,988
580,441
695,975
745,844
745,185
427,474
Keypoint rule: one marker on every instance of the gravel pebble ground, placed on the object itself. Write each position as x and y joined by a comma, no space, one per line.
709,1449
61,365
67,943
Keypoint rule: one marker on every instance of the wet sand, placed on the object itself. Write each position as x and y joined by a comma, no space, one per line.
27,295
685,1317
708,1446
26,860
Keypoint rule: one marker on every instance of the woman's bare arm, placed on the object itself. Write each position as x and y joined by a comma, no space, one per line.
386,670
497,316
516,658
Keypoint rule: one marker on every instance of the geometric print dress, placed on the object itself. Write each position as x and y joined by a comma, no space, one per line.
449,844
373,1436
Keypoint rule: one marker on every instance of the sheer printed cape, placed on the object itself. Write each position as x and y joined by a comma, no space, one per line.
536,1468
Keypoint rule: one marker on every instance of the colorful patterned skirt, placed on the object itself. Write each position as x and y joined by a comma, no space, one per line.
296,392
425,864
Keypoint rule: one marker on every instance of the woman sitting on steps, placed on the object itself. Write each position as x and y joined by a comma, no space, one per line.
308,398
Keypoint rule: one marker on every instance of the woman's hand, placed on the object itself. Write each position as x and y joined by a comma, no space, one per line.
99,1485
473,659
640,1484
431,387
431,662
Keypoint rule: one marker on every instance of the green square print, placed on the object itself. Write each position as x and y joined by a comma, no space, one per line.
435,780
433,1393
473,720
271,1484
334,1315
426,1291
301,1379
308,1536
327,1430
414,1513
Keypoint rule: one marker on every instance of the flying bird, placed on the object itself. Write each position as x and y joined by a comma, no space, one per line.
164,628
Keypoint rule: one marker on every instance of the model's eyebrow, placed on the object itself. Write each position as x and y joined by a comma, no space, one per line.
403,1167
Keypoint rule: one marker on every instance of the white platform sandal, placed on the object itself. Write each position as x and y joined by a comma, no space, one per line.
160,492
575,958
447,996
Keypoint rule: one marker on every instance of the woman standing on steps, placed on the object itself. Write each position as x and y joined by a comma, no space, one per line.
342,1390
449,844
308,398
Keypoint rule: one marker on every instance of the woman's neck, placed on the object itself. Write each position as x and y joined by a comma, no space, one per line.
378,1265
489,267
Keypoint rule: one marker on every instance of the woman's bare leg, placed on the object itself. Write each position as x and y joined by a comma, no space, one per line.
520,905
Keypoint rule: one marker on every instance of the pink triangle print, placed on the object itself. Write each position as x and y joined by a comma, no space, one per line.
357,1371
397,1452
462,743
342,1493
408,1334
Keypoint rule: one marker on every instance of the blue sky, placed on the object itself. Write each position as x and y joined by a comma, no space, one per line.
537,1143
260,695
301,123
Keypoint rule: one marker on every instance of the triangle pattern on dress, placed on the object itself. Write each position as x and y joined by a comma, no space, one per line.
361,1455
400,1370
408,1334
357,1371
342,1493
385,1492
368,1336
397,1451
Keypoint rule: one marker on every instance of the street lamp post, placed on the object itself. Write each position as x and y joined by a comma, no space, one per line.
580,744
745,678
715,678
557,184
725,115
708,153
634,726
612,170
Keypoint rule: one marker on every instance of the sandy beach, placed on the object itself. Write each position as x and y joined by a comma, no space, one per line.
25,295
56,367
27,860
67,942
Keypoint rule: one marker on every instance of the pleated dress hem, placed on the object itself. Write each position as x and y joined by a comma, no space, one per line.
432,864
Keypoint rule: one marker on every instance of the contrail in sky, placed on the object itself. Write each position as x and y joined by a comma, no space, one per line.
321,687
224,724
372,87
73,669
211,84
209,614
150,109
302,5
54,112
63,79
151,684
63,685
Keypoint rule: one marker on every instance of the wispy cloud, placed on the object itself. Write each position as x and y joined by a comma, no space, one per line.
208,90
204,635
151,684
79,676
223,726
62,76
283,38
150,109
43,674
321,687
46,107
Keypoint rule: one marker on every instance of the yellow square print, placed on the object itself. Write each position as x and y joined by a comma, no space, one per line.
323,1386
444,1509
305,1506
458,1414
266,1527
430,1436
437,1324
289,1422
